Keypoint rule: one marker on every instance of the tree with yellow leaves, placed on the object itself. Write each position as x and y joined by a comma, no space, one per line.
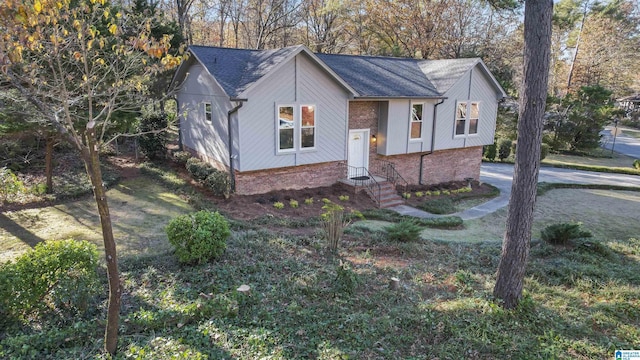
79,62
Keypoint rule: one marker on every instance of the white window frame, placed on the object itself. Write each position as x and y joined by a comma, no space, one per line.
208,114
412,121
467,119
277,122
314,127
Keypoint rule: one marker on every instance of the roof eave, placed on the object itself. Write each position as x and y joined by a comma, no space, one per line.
372,97
210,74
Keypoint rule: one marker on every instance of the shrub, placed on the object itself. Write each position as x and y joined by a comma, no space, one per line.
404,231
293,203
199,169
435,193
278,205
333,224
636,164
9,184
346,280
562,233
181,157
343,197
491,151
153,143
55,278
504,149
218,182
544,151
308,201
419,194
198,237
445,222
438,206
406,195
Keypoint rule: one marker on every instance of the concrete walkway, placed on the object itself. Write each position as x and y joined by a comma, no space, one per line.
501,176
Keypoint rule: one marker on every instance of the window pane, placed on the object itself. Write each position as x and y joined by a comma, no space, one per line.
475,111
286,139
462,111
285,117
207,111
460,127
416,112
416,130
308,139
473,126
308,116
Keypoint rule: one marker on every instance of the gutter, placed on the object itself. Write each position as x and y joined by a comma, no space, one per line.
433,140
232,173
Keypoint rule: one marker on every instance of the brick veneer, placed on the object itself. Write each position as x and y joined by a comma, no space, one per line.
364,115
294,178
439,167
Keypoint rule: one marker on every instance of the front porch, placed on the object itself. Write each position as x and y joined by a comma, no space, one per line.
380,181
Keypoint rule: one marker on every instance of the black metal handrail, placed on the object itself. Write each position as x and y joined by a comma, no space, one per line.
388,170
362,177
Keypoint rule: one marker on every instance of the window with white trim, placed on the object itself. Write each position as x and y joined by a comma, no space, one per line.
207,112
286,127
416,121
467,118
307,127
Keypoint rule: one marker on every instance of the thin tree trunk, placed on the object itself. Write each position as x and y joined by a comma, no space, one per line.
515,247
48,162
91,158
575,54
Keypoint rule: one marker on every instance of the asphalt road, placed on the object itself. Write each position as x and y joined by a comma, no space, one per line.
625,144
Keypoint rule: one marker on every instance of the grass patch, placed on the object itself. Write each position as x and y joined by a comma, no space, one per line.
600,160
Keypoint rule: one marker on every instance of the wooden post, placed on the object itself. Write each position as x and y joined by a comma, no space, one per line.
394,283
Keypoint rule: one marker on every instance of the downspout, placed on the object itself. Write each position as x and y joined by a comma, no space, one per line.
433,140
232,173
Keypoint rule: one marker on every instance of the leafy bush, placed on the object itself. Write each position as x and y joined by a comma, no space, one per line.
198,237
419,194
293,203
562,233
438,206
55,278
199,169
343,197
9,184
278,205
308,201
491,151
218,182
155,137
181,157
544,151
636,164
404,231
504,149
406,195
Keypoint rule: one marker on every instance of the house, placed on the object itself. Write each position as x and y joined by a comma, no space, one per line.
298,119
629,104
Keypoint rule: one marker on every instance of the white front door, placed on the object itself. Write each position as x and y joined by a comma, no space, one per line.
358,160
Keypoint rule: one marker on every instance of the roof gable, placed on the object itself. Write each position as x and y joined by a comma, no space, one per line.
445,73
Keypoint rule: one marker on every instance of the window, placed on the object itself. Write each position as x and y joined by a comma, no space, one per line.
285,127
467,112
207,112
416,121
308,127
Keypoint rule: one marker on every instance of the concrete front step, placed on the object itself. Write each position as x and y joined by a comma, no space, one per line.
389,196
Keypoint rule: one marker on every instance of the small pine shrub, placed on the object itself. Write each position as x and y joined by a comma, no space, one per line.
198,237
346,281
154,138
404,231
419,194
57,278
278,205
544,151
218,182
343,197
491,151
636,164
181,157
308,201
199,169
504,149
293,203
562,233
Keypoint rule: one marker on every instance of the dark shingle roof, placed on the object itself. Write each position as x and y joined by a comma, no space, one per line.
370,76
373,76
238,69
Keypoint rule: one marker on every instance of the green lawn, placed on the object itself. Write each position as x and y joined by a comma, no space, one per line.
604,158
581,302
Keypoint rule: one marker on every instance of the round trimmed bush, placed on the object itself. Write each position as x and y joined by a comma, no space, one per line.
218,182
504,149
199,169
491,151
198,237
181,157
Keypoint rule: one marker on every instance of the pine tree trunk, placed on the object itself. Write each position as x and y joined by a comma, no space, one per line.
91,158
48,162
515,247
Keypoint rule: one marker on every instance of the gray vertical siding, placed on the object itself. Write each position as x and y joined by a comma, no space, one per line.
473,86
396,124
298,82
208,138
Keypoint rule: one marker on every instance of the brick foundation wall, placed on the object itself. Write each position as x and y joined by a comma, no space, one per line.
439,167
289,178
208,159
364,115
